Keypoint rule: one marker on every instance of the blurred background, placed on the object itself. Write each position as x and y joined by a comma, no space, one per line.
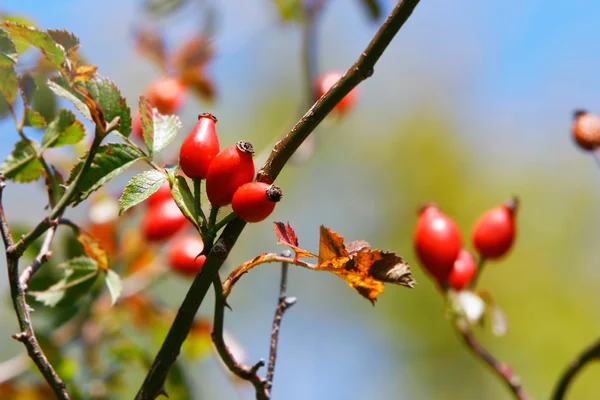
470,104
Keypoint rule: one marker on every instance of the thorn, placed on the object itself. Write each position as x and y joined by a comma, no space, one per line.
163,391
290,301
226,304
256,367
20,337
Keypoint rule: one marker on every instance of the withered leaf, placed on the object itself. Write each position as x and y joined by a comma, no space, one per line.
93,249
287,237
150,44
193,54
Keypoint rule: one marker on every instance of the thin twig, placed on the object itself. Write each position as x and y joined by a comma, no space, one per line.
245,372
591,353
283,304
502,370
40,259
480,265
281,153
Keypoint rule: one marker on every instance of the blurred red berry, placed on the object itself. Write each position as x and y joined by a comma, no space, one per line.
495,230
136,126
163,193
463,271
184,255
586,129
437,242
199,148
162,220
166,94
325,81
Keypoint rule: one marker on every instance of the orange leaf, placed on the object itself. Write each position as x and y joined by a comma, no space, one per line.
365,270
193,54
150,44
202,85
287,237
85,73
93,249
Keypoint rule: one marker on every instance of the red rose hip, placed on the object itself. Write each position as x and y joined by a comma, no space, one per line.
586,130
162,194
325,81
166,94
463,271
437,242
229,170
199,148
255,201
184,255
495,230
162,221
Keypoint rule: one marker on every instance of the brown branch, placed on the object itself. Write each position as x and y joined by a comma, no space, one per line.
283,150
591,353
282,306
43,256
245,372
502,370
17,292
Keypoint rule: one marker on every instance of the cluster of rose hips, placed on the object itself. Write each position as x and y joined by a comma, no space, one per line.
439,247
229,174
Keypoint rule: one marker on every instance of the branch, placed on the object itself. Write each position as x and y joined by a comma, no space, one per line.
244,372
283,304
502,370
17,293
589,354
40,259
283,150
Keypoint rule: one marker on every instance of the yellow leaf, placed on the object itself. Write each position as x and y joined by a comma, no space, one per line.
93,249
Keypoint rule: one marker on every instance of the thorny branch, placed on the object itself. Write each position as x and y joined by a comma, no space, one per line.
153,384
589,354
502,370
282,306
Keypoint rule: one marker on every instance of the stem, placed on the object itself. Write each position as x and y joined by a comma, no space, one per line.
309,47
212,218
480,265
283,304
40,259
589,354
281,153
502,370
245,372
17,293
219,225
198,199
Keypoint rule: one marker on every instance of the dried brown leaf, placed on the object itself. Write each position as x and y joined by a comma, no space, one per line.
93,249
150,44
194,53
287,237
85,73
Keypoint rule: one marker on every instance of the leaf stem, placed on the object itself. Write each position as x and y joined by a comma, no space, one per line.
589,354
198,200
480,265
227,219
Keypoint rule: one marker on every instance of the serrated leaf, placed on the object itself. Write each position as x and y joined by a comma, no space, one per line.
63,130
113,282
182,195
28,87
140,187
8,51
22,165
42,40
8,83
93,249
158,130
80,264
108,97
286,236
111,160
59,87
85,72
65,38
34,119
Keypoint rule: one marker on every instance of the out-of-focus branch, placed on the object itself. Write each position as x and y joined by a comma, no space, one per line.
153,384
283,304
40,259
502,370
13,367
589,354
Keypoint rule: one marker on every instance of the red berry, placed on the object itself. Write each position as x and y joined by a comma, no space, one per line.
255,201
325,81
184,255
163,193
230,169
463,270
494,232
586,129
166,94
136,126
437,242
162,221
199,148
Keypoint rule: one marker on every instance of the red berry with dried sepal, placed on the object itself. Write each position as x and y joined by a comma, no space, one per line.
184,255
586,130
463,271
255,201
494,232
229,170
162,220
199,148
437,241
325,81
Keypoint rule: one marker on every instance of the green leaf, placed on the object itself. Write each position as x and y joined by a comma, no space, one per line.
66,39
113,282
60,88
29,35
112,104
290,10
34,118
159,130
63,130
111,160
8,51
28,87
182,195
44,101
22,165
8,84
140,187
80,275
373,8
159,8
